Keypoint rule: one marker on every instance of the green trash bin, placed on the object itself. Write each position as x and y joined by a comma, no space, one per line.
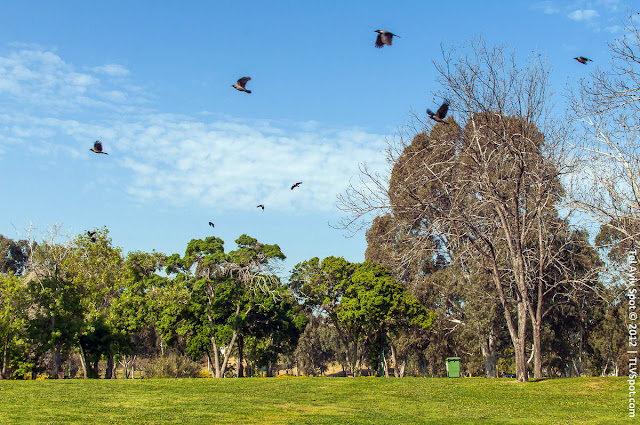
453,367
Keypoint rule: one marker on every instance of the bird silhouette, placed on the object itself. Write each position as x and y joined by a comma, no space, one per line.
583,60
296,185
241,83
90,234
442,112
261,206
384,37
97,147
211,224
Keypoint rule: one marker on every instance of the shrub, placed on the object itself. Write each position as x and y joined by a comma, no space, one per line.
171,366
204,373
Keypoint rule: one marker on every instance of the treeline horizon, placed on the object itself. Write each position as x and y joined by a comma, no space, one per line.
68,308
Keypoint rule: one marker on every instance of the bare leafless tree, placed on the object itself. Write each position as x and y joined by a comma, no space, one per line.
47,256
605,107
487,188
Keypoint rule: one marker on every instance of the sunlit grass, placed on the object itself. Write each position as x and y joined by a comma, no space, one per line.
315,401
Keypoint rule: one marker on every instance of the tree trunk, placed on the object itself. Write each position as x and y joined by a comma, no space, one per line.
519,345
240,367
385,365
227,354
537,348
536,322
83,363
96,369
579,365
361,359
108,373
488,349
59,374
517,330
3,371
353,358
216,357
394,360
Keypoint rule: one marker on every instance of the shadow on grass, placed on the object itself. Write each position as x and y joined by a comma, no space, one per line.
540,379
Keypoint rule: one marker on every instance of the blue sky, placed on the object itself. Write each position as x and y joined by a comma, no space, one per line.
152,80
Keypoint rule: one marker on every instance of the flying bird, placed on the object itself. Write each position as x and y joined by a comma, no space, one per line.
442,112
583,60
384,37
261,206
90,234
97,147
296,185
211,224
241,83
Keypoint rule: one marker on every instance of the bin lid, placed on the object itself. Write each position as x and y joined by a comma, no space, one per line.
452,358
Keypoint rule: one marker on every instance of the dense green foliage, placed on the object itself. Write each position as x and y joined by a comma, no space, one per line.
84,309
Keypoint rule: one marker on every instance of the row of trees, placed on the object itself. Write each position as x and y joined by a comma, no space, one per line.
84,297
83,300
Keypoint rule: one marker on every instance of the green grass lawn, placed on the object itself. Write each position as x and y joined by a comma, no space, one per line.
315,401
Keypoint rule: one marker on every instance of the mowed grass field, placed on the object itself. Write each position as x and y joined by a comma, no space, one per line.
316,401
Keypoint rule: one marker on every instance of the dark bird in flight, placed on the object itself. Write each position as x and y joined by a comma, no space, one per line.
211,224
384,37
241,83
442,112
90,234
261,206
296,185
97,147
583,60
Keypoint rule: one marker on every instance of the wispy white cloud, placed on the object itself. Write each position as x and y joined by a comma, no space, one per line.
583,15
614,29
112,69
597,15
38,78
167,158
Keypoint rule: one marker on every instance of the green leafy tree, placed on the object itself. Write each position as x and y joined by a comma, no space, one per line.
272,329
607,340
220,290
385,308
319,287
97,271
316,347
460,293
56,313
13,318
13,255
364,303
56,320
133,311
